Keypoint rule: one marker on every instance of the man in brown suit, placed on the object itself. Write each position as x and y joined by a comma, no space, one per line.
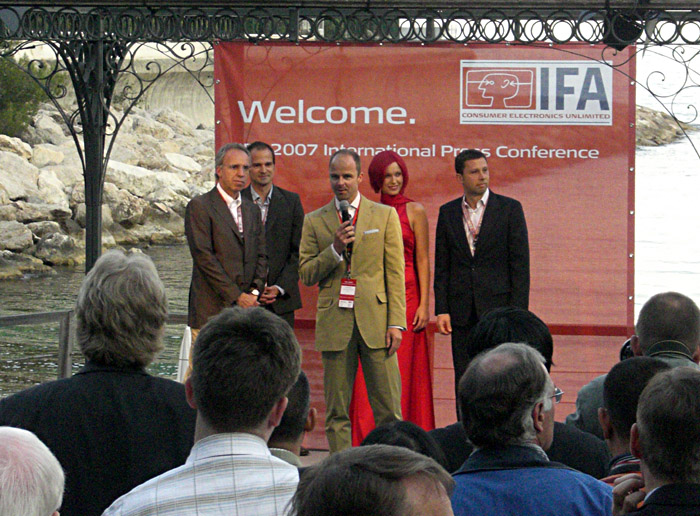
227,242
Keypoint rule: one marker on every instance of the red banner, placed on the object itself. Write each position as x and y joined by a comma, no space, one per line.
557,124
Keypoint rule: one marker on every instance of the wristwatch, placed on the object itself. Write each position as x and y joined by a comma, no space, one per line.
255,292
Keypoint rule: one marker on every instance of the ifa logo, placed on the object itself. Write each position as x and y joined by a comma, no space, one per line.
500,88
536,92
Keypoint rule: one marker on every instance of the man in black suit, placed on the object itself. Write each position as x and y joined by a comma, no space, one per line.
112,426
283,217
666,439
482,259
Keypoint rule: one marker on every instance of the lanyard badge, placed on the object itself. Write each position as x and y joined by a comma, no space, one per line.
346,299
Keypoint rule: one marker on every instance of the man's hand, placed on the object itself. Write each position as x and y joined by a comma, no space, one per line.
343,236
444,325
627,493
247,300
393,340
269,295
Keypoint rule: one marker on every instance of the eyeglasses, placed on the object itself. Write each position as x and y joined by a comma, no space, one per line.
558,393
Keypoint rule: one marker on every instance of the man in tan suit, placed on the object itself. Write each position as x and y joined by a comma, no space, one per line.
227,242
364,255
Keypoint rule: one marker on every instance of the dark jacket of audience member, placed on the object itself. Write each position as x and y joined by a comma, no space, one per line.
112,425
570,446
668,328
666,439
407,435
623,385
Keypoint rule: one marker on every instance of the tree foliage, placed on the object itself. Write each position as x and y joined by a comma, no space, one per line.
20,96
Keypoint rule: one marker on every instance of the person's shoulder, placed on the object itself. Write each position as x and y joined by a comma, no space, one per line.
503,199
286,193
146,498
451,204
415,208
203,198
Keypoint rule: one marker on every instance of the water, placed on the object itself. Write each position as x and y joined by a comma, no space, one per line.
667,247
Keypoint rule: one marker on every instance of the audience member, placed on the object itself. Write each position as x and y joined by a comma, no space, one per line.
407,435
299,418
507,400
666,439
621,389
668,328
377,480
243,365
31,479
112,425
572,447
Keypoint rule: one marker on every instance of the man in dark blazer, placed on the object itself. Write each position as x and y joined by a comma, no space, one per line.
283,218
227,242
666,439
482,259
112,426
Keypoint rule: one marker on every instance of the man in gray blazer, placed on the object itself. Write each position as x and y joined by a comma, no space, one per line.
283,218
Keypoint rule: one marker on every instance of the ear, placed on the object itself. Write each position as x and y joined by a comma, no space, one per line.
460,178
635,445
277,412
605,424
538,417
189,393
310,423
635,346
696,355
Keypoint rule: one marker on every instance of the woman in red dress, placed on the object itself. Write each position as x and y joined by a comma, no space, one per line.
388,174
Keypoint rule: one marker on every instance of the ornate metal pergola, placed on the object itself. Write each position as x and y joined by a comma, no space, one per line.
95,43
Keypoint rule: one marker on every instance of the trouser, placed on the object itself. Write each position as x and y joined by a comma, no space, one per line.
288,316
195,333
460,353
383,382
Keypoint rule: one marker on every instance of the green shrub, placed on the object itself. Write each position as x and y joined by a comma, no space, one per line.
20,96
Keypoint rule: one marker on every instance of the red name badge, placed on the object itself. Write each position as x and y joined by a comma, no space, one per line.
346,299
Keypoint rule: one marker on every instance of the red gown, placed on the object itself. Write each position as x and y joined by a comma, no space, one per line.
413,355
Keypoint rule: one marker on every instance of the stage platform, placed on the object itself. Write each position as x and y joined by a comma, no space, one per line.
577,359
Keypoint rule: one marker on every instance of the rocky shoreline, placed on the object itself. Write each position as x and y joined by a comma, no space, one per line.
161,159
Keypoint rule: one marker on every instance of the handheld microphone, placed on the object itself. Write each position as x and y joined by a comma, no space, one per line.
345,215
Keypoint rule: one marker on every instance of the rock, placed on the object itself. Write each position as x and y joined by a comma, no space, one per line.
18,177
45,129
143,125
79,215
47,154
182,162
161,215
4,197
44,229
657,128
140,181
169,199
15,146
15,236
15,266
178,122
127,209
25,212
59,249
67,173
51,190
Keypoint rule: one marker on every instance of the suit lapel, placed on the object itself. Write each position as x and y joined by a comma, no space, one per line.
329,215
456,218
223,212
274,209
490,220
364,216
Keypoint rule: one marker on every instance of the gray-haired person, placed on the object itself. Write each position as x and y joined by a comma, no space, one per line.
31,479
112,425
